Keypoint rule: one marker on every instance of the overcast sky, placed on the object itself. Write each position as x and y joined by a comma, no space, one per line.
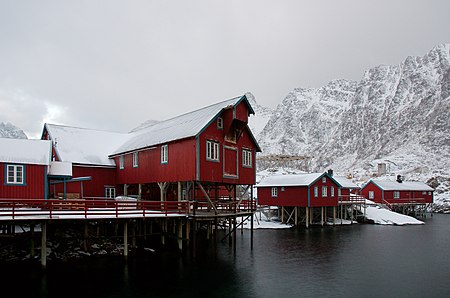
112,65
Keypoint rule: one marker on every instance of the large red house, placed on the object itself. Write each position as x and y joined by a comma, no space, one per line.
24,168
207,152
397,192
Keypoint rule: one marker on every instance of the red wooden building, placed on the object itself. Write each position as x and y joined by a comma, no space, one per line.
395,192
303,190
205,153
24,168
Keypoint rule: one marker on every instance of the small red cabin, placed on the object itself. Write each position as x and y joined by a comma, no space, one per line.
397,192
302,190
24,166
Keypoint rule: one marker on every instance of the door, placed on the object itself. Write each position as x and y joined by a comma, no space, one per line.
230,162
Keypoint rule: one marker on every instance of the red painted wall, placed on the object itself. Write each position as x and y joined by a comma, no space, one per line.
180,166
35,183
378,193
389,194
101,177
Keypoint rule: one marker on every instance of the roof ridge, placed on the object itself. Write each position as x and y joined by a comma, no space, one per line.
84,128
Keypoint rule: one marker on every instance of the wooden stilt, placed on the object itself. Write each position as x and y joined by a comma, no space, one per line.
133,235
307,217
32,241
251,231
180,235
321,216
44,244
85,236
125,239
296,216
334,215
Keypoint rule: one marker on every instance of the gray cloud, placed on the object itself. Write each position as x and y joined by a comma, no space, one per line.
114,64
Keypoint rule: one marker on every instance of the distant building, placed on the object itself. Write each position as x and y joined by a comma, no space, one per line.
397,192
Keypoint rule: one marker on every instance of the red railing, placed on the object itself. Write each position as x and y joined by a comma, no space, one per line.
110,208
352,199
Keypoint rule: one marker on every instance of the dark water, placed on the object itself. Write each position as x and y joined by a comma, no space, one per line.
350,261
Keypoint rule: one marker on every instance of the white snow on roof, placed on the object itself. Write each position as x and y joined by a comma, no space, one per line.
184,126
25,151
60,168
85,146
289,180
405,185
345,182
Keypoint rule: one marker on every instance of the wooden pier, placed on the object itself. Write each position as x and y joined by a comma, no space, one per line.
181,221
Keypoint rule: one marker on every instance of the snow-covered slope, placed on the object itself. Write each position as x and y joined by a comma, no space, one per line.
262,115
396,114
8,130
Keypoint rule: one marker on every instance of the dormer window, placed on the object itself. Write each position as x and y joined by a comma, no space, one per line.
220,123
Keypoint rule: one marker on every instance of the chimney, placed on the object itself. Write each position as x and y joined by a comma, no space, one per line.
330,172
399,179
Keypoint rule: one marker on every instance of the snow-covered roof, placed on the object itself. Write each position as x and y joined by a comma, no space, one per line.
290,180
25,151
405,185
181,127
345,182
60,168
85,146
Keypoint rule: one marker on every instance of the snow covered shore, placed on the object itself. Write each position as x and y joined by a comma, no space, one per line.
382,216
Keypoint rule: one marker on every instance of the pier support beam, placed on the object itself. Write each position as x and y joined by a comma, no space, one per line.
44,244
334,215
32,241
321,216
307,217
125,240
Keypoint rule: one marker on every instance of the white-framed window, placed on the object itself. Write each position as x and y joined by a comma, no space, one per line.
246,158
324,191
110,192
135,159
429,193
274,191
332,191
371,195
15,174
316,191
282,188
164,153
339,192
212,151
396,194
324,179
122,162
424,192
220,123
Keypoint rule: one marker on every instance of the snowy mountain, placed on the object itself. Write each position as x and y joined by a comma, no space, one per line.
262,115
398,115
8,130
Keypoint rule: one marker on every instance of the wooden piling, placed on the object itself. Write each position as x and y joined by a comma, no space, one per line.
44,244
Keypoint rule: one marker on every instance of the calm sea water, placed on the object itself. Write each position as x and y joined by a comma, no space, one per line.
349,261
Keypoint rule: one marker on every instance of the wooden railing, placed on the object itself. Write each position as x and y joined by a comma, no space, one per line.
109,208
351,199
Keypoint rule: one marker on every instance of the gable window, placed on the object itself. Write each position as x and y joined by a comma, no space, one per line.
396,194
274,192
332,191
316,191
135,160
15,174
371,195
110,192
212,151
121,162
324,179
324,191
164,153
219,123
246,158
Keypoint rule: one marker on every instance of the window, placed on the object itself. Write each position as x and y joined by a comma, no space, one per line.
219,123
396,194
429,193
212,151
339,192
121,162
324,192
316,191
15,174
274,192
135,160
324,179
282,188
424,192
332,191
371,195
246,158
164,153
110,192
